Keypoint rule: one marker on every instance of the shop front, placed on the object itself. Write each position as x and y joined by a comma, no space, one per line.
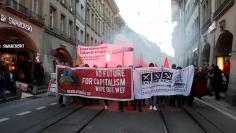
223,48
19,53
20,46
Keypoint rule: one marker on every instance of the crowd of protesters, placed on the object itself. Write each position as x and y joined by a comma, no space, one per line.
207,80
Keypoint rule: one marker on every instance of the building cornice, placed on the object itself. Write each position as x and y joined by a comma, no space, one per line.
113,6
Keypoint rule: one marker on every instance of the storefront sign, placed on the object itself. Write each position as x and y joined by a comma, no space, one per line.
16,23
100,83
12,45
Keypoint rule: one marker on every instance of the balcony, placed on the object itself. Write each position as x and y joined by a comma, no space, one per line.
17,8
53,30
223,8
22,11
36,18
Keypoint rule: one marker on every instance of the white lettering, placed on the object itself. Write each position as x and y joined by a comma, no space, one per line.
12,45
100,89
16,23
87,81
120,89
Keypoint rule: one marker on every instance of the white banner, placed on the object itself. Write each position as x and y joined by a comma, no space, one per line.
155,81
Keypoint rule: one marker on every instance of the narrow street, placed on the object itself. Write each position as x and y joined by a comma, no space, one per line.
43,114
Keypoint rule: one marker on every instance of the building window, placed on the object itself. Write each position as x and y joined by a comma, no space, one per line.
92,19
206,11
35,6
99,27
102,10
70,30
82,8
91,41
103,28
88,16
96,24
82,35
87,40
77,31
70,5
62,24
52,17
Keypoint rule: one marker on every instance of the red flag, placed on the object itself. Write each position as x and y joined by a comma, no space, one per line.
166,63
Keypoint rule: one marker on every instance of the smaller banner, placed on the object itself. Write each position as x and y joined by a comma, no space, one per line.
106,55
154,81
100,83
52,87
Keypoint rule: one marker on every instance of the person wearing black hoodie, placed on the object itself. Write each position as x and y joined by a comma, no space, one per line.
217,81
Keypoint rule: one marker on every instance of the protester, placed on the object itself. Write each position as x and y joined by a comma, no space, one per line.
121,103
153,99
193,88
226,72
172,98
106,101
217,81
180,98
84,100
138,101
39,73
3,81
3,85
210,76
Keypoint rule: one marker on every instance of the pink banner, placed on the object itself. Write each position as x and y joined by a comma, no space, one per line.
107,54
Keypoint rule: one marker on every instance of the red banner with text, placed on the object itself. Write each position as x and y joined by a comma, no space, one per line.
100,83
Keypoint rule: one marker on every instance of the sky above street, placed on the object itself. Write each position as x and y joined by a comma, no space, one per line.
151,18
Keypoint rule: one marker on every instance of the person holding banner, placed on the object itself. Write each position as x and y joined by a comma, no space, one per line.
172,98
180,98
121,103
153,99
193,88
138,101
